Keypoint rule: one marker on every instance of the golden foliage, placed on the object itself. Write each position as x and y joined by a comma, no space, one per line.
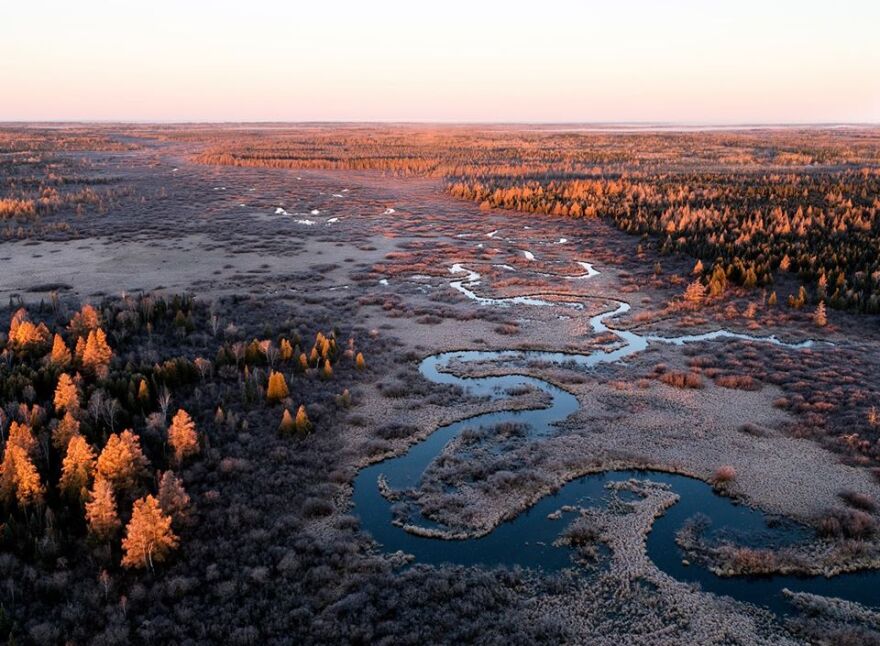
717,282
19,478
85,321
77,469
17,319
122,462
143,392
277,389
302,423
79,348
66,394
96,353
7,476
182,436
286,350
148,536
23,334
695,292
820,318
15,208
29,489
101,512
797,302
325,345
287,425
359,361
21,435
60,357
66,429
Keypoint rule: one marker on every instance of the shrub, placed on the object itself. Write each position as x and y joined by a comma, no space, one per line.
847,523
724,475
738,382
859,500
682,379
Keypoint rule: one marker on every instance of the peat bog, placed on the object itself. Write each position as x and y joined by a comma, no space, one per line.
412,384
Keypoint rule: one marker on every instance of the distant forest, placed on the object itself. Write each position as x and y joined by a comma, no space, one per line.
750,205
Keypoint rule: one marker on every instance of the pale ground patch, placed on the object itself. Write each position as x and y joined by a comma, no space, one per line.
698,431
93,266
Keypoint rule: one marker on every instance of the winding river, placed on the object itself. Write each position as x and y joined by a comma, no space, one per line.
527,540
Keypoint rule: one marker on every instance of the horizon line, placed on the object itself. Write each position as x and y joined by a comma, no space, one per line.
744,125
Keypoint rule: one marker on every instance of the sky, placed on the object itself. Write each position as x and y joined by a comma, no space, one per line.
675,61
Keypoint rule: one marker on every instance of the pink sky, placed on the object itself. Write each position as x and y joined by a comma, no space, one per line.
677,61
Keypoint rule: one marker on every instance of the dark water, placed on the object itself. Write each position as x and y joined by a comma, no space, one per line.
527,539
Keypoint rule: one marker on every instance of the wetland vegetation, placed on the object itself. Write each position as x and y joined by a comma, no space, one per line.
407,384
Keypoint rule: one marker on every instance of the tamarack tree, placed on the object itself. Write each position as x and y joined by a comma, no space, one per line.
67,427
95,353
19,478
287,425
60,357
182,436
62,461
149,538
101,513
277,388
66,394
302,422
77,469
122,462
